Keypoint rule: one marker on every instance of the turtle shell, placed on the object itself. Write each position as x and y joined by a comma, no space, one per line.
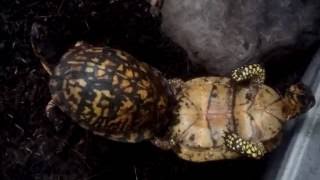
110,93
210,106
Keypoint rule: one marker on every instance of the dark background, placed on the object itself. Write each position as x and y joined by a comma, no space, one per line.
29,143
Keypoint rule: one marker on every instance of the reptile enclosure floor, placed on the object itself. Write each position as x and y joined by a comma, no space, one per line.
29,144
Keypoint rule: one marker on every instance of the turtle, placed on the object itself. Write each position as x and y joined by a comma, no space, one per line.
104,90
218,118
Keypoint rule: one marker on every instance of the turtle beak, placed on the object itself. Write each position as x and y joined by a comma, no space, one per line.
308,101
306,98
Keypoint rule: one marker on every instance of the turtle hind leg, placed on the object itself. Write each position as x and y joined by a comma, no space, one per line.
252,72
245,147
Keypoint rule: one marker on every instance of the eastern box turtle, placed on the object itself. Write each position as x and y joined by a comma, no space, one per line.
106,90
224,118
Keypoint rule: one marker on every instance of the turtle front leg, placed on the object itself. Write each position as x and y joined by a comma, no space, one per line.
253,72
51,113
64,129
245,147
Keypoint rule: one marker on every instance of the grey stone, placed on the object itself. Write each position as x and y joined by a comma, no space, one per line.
297,158
223,34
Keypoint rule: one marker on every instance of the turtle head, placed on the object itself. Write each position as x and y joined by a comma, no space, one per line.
299,99
41,46
48,42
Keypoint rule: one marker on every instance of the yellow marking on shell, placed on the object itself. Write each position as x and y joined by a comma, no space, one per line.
107,93
115,80
73,107
123,121
252,71
83,116
75,67
149,100
124,83
120,68
126,105
121,55
104,102
86,110
105,112
67,53
100,73
76,62
95,59
90,64
145,84
74,87
129,73
93,120
94,50
114,121
245,147
142,93
80,57
89,69
96,109
87,118
128,90
143,68
104,122
136,74
106,63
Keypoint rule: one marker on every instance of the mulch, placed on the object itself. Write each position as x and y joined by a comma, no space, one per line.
30,143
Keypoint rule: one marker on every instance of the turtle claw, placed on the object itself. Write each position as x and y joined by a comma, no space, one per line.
253,72
245,147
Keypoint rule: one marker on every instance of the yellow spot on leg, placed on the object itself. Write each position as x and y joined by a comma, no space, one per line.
115,80
245,147
89,69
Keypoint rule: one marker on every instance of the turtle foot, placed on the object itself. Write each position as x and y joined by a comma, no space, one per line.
244,147
253,72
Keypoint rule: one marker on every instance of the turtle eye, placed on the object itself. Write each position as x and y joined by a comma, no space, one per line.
301,94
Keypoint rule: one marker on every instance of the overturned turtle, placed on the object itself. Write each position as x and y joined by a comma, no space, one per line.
224,118
104,90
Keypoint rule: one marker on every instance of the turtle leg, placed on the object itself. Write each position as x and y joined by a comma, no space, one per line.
176,85
253,72
245,147
52,114
62,127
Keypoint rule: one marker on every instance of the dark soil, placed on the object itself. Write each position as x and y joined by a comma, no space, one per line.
30,144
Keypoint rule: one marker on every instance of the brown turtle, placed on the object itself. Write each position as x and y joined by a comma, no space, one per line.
221,118
105,90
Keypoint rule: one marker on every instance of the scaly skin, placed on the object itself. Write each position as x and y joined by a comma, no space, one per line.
244,147
253,72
